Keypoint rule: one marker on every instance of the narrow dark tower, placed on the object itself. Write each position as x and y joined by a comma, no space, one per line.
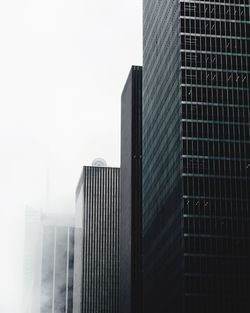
196,156
131,196
96,279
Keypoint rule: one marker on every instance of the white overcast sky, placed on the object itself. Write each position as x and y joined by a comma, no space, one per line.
63,64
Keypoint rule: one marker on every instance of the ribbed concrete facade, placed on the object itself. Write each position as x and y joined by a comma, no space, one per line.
97,203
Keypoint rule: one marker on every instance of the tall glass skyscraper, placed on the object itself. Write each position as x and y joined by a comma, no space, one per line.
196,156
96,277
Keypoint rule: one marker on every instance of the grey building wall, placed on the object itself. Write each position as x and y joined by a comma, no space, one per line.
131,208
78,270
97,197
57,269
78,260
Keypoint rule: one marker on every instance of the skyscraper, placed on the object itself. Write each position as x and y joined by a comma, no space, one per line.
196,156
96,283
48,263
131,196
57,265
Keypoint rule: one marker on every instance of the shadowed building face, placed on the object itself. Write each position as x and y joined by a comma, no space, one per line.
196,155
131,197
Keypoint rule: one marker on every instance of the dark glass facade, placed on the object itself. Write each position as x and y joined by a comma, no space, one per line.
98,200
57,269
196,156
131,194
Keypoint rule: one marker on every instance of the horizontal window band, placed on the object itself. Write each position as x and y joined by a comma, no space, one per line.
213,19
215,52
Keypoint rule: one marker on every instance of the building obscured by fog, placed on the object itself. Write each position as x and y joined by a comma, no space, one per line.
57,265
48,264
32,261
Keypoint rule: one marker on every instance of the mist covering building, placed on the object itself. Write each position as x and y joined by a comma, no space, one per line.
48,263
131,194
196,156
32,261
96,277
57,266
